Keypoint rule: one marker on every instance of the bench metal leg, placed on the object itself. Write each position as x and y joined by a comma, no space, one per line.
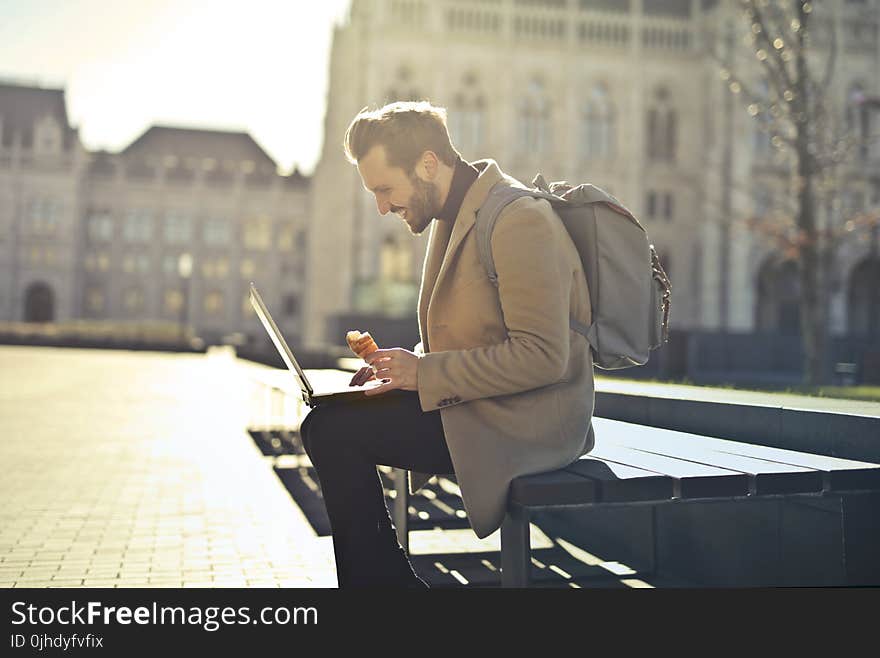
516,551
401,508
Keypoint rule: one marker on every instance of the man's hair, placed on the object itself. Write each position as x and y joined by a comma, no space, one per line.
406,129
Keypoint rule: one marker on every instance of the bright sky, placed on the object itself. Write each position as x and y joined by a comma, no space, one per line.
257,65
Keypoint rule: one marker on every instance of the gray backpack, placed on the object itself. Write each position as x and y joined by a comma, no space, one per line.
629,290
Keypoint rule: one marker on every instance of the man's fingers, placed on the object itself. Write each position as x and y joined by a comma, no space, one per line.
388,386
378,355
362,376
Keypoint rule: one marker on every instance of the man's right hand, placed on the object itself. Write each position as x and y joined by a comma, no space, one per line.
362,376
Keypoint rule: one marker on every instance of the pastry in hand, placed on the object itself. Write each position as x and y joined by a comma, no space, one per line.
361,344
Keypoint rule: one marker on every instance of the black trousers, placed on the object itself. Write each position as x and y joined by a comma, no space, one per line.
345,442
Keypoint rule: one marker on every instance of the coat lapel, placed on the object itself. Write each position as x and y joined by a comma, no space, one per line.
437,241
467,215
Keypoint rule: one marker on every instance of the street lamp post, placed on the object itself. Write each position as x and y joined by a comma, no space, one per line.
184,269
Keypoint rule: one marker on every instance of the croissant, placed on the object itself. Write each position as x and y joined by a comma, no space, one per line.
361,344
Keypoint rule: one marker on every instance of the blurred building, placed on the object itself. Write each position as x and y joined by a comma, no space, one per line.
619,93
103,236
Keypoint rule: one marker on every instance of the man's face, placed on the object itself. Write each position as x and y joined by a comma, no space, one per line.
415,200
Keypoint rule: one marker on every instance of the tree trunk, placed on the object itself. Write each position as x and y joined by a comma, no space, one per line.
813,277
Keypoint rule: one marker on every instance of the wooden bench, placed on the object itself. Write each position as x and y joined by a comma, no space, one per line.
641,465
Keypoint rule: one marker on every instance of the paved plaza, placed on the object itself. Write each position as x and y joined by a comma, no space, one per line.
134,469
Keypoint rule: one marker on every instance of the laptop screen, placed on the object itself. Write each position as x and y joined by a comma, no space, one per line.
278,339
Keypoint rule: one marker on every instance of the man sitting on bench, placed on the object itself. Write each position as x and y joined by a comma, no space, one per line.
499,386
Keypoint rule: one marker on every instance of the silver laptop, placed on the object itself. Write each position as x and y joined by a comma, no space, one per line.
310,395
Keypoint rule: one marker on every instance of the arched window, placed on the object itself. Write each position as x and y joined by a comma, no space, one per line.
762,201
857,117
863,298
662,127
133,300
778,306
533,120
48,135
403,88
467,116
597,140
395,260
763,122
39,303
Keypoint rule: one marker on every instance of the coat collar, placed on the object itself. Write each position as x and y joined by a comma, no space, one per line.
445,239
467,214
473,199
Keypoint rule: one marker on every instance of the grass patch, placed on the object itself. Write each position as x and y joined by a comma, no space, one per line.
865,393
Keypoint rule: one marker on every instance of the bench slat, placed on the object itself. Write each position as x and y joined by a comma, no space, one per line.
692,480
838,474
766,477
555,488
622,483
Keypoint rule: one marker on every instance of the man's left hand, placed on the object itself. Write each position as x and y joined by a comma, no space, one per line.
399,368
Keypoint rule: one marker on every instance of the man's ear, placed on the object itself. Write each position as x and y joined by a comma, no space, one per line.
427,166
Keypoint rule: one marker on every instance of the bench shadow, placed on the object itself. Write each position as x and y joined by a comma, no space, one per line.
562,564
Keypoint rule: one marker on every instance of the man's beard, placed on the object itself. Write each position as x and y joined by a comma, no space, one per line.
424,204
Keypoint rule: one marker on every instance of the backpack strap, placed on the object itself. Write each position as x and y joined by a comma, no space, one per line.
502,194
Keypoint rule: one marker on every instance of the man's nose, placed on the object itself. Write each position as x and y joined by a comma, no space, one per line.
383,205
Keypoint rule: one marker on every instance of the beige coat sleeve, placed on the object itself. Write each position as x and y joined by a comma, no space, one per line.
534,291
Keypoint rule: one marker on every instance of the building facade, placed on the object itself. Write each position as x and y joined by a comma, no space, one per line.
622,94
170,230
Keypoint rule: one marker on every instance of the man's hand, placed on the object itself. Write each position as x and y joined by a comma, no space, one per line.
397,367
362,376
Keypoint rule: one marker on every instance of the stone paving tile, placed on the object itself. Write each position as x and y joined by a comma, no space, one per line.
161,483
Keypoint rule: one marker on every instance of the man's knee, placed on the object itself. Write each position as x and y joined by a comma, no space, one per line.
323,430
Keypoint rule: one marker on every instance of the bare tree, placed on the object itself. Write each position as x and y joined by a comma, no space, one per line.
792,104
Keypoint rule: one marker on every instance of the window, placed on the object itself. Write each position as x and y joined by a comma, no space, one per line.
44,216
762,201
136,263
533,121
48,135
94,300
133,300
216,231
403,88
214,303
395,260
651,205
215,268
246,309
667,207
258,233
763,122
137,226
178,227
285,238
173,300
597,125
99,226
662,127
247,268
467,118
291,305
169,264
863,298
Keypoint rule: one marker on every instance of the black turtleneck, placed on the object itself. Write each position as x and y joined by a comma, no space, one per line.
463,176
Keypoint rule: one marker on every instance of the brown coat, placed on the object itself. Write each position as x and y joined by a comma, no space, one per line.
514,384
